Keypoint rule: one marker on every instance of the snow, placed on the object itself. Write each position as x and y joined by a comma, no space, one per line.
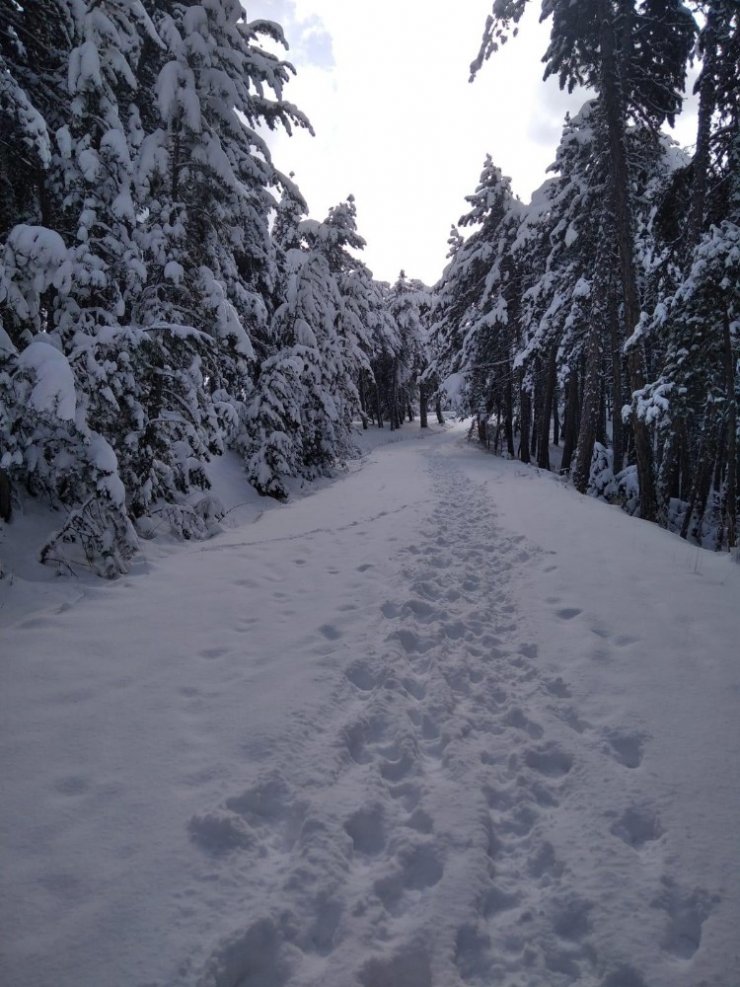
439,722
103,458
35,259
53,391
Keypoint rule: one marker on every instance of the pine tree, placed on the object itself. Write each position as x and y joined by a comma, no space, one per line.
473,326
634,55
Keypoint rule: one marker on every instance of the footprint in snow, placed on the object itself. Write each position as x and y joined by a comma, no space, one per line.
549,760
623,976
571,918
330,632
568,613
363,734
366,829
420,867
516,718
543,862
253,957
220,831
472,953
557,687
270,808
686,913
211,653
625,747
637,826
363,676
410,967
496,900
410,642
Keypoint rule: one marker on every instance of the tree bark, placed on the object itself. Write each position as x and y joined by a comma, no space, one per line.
509,412
524,425
543,429
613,102
581,471
6,503
571,424
730,499
423,405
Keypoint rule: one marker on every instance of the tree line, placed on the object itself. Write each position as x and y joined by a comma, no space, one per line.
163,294
604,317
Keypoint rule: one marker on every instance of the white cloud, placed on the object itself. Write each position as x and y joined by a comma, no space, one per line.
399,126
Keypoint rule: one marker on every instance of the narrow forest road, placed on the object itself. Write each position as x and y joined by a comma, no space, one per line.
440,723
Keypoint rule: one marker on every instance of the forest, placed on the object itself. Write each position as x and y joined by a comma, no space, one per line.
165,295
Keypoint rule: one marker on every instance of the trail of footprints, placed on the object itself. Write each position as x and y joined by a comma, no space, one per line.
443,873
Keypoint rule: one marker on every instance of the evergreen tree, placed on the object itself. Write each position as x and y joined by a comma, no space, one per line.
634,55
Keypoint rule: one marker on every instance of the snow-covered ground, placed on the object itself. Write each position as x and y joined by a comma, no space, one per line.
441,722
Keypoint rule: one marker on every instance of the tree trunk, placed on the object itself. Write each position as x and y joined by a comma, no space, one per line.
362,390
6,503
581,471
423,403
543,428
730,499
438,411
613,102
509,412
571,424
524,425
617,398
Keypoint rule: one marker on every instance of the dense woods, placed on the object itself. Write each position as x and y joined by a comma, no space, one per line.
604,317
165,297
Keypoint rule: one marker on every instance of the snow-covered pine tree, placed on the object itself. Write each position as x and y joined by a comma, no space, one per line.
634,55
691,401
471,327
68,259
127,117
207,176
307,396
405,301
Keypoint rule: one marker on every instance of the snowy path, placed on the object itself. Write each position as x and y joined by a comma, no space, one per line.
382,738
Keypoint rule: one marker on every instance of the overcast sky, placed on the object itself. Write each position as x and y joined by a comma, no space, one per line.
398,125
